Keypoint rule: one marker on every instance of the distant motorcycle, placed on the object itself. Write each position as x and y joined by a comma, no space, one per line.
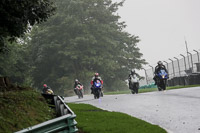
162,80
134,84
49,91
97,89
79,90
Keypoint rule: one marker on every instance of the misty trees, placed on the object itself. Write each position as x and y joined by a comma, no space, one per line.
15,63
16,15
83,37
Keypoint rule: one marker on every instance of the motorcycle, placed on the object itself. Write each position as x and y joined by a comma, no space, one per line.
49,91
162,80
79,91
134,84
97,89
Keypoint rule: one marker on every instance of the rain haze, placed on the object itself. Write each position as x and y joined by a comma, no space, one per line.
163,26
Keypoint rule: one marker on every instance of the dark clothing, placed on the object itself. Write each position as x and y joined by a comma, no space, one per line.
158,68
77,83
44,90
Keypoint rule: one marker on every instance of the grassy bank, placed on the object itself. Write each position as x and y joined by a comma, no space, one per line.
22,108
94,120
149,90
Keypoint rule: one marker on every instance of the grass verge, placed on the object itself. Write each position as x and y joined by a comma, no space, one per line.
149,90
94,120
22,108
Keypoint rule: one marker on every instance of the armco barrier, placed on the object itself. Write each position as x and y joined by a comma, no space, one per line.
64,123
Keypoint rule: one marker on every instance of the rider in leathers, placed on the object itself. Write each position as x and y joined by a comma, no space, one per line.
132,74
157,69
75,84
94,79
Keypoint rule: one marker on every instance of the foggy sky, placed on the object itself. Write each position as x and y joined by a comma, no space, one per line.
162,26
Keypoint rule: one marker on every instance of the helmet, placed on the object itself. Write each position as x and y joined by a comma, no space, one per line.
96,74
45,85
76,80
133,71
159,62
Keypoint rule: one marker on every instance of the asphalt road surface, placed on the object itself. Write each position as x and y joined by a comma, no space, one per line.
177,111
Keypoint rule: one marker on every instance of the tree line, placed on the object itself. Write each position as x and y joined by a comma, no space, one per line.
80,38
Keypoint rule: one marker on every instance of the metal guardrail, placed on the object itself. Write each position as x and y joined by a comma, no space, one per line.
64,123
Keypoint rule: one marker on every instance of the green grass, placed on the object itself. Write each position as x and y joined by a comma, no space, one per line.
179,87
22,108
148,90
94,120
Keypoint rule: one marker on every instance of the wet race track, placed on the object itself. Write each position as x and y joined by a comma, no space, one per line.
177,111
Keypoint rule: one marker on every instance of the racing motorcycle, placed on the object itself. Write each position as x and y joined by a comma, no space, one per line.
162,80
49,91
134,84
97,89
79,90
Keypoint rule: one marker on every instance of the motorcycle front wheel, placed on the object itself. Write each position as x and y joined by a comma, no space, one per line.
132,91
79,94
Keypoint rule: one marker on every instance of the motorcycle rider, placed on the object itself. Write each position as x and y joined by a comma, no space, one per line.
45,88
157,69
75,84
94,79
132,74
